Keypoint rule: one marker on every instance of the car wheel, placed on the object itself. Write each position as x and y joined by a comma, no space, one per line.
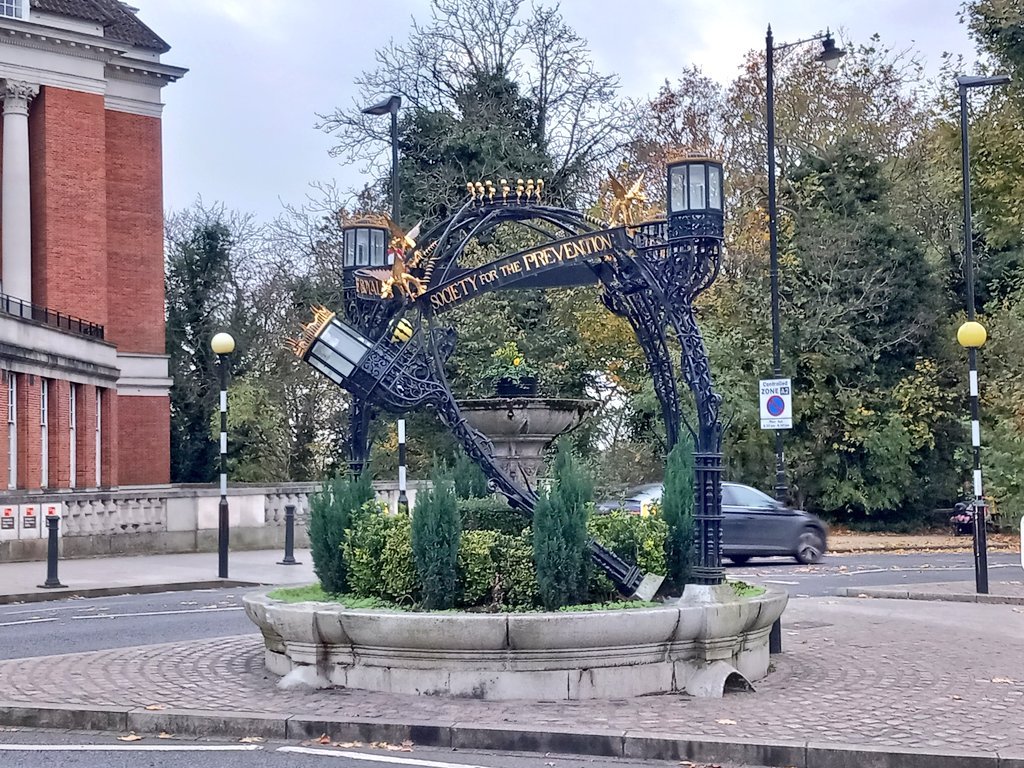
810,547
738,559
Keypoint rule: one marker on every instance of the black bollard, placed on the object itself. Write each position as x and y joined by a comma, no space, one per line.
289,537
775,638
52,582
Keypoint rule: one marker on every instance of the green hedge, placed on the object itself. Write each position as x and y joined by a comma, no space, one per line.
491,513
635,538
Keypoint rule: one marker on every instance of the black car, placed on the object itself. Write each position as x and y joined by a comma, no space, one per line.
755,524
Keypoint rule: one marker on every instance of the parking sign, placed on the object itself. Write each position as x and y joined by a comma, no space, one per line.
776,404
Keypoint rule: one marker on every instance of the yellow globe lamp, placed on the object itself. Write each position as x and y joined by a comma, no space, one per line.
223,343
971,334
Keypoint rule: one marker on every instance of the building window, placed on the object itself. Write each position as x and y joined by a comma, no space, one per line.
14,9
72,429
44,432
99,435
12,430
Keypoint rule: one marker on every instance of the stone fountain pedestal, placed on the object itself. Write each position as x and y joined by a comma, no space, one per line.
522,428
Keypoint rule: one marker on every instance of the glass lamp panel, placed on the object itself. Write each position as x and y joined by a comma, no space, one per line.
316,360
363,247
350,248
698,187
715,187
377,247
677,188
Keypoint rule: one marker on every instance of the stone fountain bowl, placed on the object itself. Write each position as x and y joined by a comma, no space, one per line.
696,647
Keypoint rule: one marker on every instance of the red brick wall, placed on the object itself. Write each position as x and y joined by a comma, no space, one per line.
86,437
29,435
144,440
109,439
60,439
135,232
67,158
4,466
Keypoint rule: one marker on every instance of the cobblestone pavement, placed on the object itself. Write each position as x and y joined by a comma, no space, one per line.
898,673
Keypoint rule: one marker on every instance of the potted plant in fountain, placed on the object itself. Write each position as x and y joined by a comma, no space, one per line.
511,373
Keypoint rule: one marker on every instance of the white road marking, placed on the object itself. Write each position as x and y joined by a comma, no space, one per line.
375,758
128,748
777,581
25,621
157,613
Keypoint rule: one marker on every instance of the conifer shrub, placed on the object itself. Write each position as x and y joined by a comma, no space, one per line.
677,503
436,530
470,481
560,533
336,506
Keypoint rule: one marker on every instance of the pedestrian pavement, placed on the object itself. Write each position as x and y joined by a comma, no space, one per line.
98,577
860,683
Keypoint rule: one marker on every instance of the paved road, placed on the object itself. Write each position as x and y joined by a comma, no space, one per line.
874,570
44,749
75,625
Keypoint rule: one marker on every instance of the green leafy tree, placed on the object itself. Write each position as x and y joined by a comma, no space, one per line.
677,510
197,286
332,510
258,438
436,530
560,533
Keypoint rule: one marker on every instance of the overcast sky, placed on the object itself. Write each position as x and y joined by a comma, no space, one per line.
238,127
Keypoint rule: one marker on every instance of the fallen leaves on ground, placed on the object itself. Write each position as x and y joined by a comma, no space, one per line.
1002,680
130,737
165,735
725,721
957,698
326,741
251,740
155,707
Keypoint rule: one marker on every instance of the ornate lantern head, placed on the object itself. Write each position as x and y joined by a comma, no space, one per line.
696,199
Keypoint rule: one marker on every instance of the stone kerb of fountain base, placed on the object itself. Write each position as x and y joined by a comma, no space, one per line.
693,646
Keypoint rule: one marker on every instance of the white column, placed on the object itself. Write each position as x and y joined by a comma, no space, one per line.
16,203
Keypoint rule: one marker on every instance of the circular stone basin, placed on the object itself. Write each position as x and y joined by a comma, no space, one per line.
521,428
676,647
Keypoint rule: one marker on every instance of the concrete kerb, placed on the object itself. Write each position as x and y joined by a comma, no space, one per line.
608,743
949,597
136,589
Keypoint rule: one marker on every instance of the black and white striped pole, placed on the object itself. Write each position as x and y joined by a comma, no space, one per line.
972,334
223,344
403,499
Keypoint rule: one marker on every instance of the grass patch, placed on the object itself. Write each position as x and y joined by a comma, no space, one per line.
742,589
314,593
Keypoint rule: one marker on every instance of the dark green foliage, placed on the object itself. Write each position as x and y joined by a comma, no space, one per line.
560,533
516,585
637,539
470,481
491,514
378,552
337,505
477,569
677,511
435,542
197,284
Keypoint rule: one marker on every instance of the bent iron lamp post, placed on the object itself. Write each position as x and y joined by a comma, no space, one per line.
390,349
829,56
972,334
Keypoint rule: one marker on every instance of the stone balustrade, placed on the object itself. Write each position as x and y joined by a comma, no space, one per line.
164,519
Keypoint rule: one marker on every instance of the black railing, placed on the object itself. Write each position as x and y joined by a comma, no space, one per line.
23,309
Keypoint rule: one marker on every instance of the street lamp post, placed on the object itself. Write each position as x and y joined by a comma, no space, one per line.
223,344
829,56
390,106
972,334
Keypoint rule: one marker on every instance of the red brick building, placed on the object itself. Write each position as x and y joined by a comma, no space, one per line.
83,374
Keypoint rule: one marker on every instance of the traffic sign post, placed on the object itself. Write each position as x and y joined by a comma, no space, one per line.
776,404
